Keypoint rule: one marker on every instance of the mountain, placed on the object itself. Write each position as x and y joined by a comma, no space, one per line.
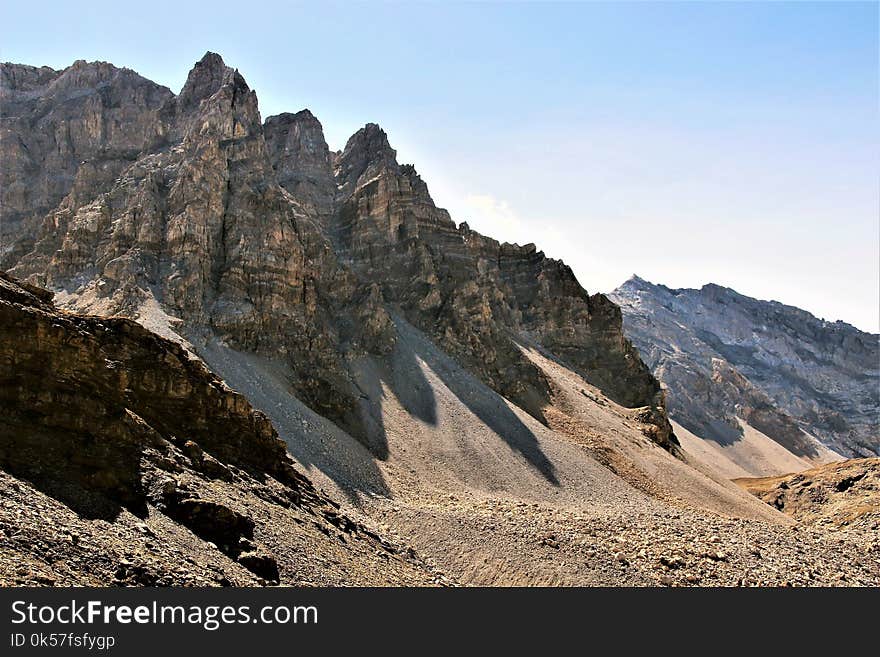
732,364
258,235
66,133
337,376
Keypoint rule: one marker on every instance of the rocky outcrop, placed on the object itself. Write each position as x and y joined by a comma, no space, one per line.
254,233
725,356
112,420
844,494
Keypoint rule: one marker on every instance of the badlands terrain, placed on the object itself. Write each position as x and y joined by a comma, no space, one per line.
231,356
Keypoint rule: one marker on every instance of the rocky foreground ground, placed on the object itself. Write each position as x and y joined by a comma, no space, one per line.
505,542
466,541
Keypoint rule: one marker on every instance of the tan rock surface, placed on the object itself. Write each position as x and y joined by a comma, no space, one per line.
841,495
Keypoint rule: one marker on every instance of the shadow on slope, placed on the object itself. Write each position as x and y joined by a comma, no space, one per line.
401,375
404,376
311,439
72,468
603,428
727,431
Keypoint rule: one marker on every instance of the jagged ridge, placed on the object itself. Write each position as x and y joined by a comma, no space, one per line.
256,233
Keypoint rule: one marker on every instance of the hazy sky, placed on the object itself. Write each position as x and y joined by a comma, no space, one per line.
688,143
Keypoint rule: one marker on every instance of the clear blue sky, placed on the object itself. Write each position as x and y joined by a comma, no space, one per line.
688,143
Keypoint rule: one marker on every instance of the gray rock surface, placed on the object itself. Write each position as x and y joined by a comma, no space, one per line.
723,355
68,133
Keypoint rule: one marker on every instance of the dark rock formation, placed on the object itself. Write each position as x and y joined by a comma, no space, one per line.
213,223
91,396
105,416
725,356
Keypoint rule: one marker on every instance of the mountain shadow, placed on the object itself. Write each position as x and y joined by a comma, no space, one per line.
405,377
314,441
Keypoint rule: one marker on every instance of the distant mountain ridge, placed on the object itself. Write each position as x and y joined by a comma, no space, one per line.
723,356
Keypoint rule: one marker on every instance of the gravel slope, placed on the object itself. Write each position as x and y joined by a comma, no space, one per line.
490,496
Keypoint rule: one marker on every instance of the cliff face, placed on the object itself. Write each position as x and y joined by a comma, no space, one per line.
480,299
68,132
302,160
723,355
198,217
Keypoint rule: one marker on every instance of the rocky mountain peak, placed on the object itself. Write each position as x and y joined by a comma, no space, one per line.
28,84
301,158
65,133
205,77
20,78
97,67
302,121
253,233
216,99
419,186
367,153
209,75
372,133
636,283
